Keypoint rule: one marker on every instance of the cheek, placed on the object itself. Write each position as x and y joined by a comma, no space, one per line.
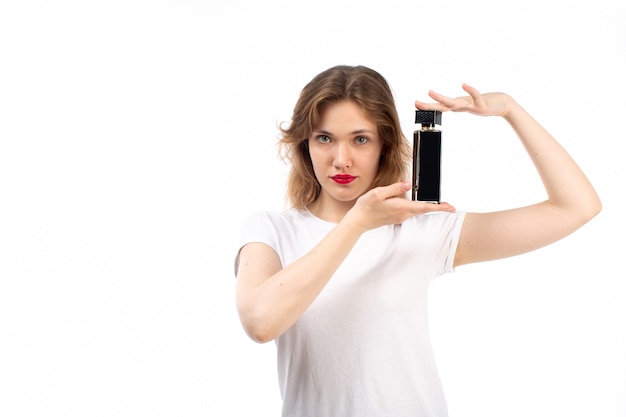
375,159
315,157
318,161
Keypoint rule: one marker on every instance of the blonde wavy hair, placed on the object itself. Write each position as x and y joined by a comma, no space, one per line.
368,89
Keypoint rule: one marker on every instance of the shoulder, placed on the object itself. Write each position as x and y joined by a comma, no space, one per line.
435,230
274,225
436,221
275,219
287,233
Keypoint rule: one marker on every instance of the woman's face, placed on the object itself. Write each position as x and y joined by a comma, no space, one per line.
345,150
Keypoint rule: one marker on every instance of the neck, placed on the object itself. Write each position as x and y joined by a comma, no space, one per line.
330,211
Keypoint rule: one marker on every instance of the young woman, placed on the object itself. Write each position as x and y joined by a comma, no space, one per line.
340,280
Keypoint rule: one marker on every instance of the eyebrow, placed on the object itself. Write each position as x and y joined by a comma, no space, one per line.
354,132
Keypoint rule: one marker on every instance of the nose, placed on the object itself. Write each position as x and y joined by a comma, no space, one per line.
342,157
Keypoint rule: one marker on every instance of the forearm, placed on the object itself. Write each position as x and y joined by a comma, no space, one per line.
566,185
270,308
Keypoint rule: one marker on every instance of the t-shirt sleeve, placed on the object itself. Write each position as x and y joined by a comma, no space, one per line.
452,241
440,233
259,228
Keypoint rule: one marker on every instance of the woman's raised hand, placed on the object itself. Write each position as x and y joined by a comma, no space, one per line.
488,104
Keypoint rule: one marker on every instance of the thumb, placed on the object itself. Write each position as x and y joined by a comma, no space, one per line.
395,190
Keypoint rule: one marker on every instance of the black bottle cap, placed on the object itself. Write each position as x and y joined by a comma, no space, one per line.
428,117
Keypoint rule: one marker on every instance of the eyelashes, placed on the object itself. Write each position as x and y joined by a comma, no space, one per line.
359,140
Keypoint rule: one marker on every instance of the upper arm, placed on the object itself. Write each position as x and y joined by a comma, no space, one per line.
255,263
489,236
256,259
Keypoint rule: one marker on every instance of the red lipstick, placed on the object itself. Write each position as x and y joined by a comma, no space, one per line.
343,178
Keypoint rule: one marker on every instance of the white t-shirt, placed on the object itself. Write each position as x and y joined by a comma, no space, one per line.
362,348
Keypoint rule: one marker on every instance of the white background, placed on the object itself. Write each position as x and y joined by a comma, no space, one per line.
136,135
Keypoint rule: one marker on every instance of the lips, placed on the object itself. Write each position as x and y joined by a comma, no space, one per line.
343,178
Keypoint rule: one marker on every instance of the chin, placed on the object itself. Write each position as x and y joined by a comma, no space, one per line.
347,198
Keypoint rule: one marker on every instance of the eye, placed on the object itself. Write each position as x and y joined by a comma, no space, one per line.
323,139
361,140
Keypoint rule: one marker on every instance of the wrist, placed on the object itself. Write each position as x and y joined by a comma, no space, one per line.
353,223
511,110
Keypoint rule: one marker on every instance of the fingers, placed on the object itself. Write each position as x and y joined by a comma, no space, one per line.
429,207
416,207
393,190
399,188
445,103
400,209
470,90
381,206
475,94
430,106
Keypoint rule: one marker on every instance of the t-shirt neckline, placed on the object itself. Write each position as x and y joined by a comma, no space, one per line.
319,220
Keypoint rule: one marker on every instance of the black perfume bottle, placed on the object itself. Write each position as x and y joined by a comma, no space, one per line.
427,157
